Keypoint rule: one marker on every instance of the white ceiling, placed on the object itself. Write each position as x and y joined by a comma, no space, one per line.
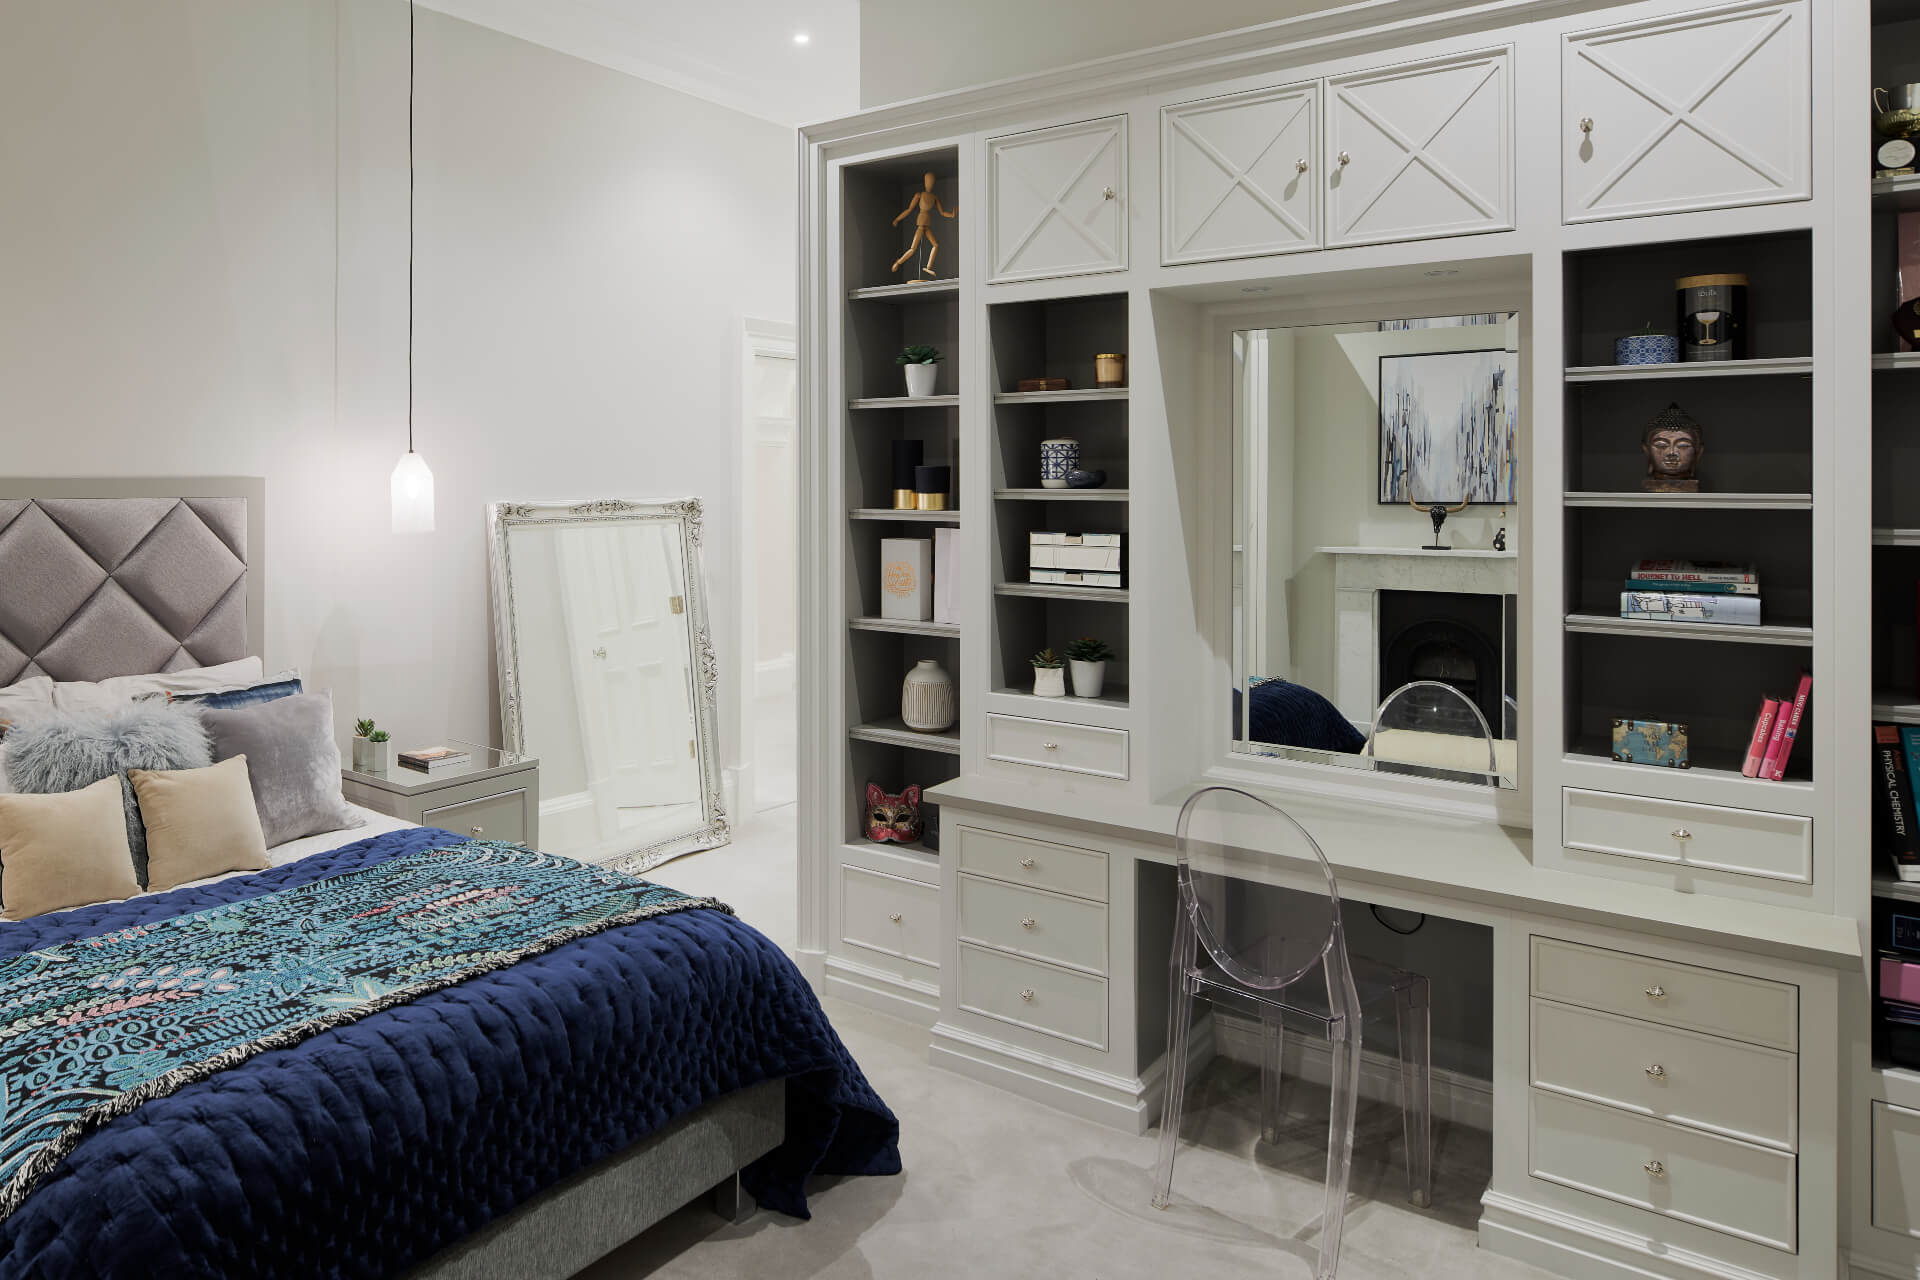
739,53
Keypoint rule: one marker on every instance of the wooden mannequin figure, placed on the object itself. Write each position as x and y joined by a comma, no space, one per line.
926,204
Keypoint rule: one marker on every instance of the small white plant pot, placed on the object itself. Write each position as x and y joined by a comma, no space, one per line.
920,379
1049,682
372,757
1087,677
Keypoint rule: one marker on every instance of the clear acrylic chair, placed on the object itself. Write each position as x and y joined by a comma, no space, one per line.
1231,947
1431,725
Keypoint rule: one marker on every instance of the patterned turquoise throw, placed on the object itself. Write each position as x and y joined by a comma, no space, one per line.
92,1028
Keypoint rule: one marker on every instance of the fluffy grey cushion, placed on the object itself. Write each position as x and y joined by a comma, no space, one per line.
65,751
292,762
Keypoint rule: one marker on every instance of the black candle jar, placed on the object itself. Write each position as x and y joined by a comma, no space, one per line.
1712,317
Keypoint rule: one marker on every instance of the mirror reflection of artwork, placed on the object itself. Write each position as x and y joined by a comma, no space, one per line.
607,675
1447,421
1338,599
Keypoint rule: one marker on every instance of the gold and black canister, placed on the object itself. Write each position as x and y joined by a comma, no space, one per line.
1712,317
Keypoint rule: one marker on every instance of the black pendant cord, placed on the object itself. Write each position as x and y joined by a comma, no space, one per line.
410,74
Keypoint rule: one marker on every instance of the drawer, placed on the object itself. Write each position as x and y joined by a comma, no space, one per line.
1080,872
1677,995
899,918
1051,744
1728,1186
497,817
1740,1090
1040,997
1775,846
1033,922
1896,1168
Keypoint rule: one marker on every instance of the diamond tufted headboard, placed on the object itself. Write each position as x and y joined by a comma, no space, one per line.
114,577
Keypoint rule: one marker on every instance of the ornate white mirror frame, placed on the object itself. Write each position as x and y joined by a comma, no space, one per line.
684,515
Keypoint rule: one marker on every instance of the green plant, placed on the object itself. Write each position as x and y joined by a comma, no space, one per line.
1088,649
1047,660
378,735
918,354
364,729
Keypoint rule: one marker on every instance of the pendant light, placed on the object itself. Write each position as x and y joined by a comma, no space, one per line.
412,483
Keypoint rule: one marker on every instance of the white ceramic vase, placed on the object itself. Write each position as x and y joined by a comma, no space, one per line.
1049,682
920,379
372,757
927,702
1087,677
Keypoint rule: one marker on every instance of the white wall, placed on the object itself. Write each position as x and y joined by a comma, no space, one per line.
176,201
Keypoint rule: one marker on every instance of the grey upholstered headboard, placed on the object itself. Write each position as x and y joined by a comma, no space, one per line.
117,577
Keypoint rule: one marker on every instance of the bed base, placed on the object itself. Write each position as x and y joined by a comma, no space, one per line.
581,1220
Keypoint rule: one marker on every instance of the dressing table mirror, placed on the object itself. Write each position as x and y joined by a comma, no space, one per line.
607,673
1375,590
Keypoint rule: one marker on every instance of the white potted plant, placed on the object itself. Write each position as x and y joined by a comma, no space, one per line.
372,748
1049,675
921,363
1088,658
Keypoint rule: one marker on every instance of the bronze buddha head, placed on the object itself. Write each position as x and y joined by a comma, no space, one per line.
1673,444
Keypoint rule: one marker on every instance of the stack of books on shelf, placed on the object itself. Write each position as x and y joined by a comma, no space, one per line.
1774,730
1690,591
1896,946
435,759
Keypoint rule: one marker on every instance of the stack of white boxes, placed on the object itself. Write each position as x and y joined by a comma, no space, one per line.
1075,559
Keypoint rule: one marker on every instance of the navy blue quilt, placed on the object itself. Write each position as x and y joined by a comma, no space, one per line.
367,1148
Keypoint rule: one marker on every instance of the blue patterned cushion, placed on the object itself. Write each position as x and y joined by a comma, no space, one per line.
226,699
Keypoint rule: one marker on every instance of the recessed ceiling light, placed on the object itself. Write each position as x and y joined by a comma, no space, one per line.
801,37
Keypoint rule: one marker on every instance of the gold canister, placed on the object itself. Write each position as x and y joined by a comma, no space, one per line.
930,502
905,500
1110,370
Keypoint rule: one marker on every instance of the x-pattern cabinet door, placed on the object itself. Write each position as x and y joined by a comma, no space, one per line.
1420,150
1059,201
1706,111
1238,177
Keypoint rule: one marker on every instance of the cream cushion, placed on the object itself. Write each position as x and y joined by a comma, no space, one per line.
200,822
64,850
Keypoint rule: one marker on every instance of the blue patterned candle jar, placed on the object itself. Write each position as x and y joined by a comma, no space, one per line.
1647,348
1057,458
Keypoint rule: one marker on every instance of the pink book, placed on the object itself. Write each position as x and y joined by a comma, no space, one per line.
1762,735
1780,750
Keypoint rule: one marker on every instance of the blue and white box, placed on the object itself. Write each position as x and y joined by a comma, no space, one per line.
1647,348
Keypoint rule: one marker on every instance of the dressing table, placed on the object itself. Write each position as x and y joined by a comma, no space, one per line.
1681,1079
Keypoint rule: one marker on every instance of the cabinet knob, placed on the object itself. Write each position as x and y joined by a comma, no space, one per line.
1345,159
600,652
1026,993
1026,864
1586,124
1657,1072
894,916
1108,194
479,831
1656,992
1299,166
1681,833
1655,1168
1051,746
1028,922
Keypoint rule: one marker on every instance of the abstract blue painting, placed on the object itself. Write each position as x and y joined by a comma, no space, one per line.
1447,424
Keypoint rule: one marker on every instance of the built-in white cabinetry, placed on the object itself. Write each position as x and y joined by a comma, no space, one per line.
1420,150
1240,175
1896,1168
1058,201
1707,110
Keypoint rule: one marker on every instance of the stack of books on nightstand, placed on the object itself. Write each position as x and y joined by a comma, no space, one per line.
1690,591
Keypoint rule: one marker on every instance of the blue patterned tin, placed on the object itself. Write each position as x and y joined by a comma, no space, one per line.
1651,742
1647,348
1057,458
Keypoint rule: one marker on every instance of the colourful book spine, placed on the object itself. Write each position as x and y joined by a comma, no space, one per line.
1762,734
1691,571
1895,825
1774,740
1700,588
1777,761
1691,606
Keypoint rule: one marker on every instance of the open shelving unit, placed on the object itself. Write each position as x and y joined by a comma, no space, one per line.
1757,507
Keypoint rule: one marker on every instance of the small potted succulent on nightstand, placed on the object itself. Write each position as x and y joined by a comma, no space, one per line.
372,748
921,363
1088,658
1049,675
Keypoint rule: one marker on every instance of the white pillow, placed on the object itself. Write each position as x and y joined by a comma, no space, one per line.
23,701
92,695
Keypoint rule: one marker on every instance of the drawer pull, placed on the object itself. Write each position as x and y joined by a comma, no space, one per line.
1656,992
1028,922
1345,159
1026,993
1026,864
1299,166
1586,124
1657,1072
1655,1168
1051,746
894,916
1108,193
479,831
1681,833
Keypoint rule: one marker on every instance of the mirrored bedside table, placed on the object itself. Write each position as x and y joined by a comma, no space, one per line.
495,796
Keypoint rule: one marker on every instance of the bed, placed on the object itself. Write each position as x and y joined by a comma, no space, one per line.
521,1118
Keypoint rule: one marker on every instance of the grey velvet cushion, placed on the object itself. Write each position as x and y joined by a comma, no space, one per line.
293,763
65,751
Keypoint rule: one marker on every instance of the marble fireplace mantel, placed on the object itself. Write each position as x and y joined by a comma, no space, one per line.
1360,573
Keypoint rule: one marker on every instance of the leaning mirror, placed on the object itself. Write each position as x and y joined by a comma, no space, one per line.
1375,581
607,675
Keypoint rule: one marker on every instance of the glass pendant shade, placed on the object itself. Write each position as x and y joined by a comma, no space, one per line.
412,495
